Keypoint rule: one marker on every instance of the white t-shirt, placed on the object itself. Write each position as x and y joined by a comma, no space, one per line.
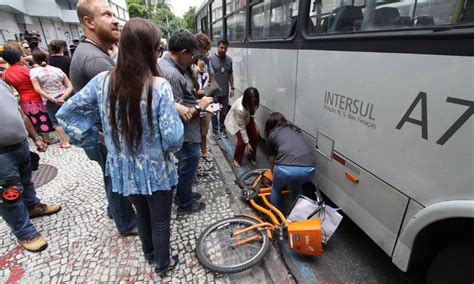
50,79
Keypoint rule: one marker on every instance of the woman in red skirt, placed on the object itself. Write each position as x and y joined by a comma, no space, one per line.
18,76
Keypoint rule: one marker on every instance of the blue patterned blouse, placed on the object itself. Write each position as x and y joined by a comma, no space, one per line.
153,168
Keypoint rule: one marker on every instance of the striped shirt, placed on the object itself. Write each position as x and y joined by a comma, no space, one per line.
183,93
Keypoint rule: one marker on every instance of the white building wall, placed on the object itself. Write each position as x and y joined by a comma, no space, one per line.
9,26
56,22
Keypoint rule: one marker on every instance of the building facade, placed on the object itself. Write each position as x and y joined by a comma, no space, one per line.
52,19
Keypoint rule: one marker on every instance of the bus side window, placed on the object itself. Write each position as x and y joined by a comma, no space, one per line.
468,14
386,18
345,16
423,21
273,19
345,19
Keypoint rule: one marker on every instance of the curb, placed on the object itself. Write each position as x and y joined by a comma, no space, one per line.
272,269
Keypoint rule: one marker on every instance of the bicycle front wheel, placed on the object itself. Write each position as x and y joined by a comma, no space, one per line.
248,178
218,251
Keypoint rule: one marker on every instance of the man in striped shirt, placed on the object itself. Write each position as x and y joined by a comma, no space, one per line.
174,67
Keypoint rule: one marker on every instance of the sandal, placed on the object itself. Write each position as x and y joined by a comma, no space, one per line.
237,165
206,157
64,146
253,162
51,142
174,260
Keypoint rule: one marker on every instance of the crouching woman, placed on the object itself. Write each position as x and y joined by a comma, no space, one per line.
291,159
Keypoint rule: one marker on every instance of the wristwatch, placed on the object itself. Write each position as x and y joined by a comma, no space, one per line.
198,108
232,88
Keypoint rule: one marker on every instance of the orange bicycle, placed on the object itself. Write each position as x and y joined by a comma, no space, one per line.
237,243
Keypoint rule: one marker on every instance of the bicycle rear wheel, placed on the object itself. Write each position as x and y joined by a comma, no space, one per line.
248,178
219,252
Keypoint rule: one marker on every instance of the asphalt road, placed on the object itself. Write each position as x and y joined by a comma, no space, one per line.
350,255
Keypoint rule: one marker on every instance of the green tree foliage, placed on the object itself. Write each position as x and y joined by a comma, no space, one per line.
162,15
136,9
189,19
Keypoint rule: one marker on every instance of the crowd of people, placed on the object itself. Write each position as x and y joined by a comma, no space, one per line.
142,114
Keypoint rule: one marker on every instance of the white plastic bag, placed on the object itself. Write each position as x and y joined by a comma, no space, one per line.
330,220
305,208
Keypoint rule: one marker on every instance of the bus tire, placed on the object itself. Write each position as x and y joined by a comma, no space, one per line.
453,264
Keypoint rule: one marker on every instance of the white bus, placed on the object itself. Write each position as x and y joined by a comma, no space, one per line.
383,90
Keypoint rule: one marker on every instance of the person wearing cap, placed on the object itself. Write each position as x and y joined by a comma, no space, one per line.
175,67
15,170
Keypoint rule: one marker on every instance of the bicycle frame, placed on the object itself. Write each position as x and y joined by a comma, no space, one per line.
304,236
263,193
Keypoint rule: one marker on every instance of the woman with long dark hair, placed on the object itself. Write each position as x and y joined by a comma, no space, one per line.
290,157
141,129
240,121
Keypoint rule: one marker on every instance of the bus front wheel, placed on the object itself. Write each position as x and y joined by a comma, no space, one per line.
453,265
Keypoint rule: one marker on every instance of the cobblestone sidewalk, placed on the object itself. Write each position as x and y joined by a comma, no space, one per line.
84,245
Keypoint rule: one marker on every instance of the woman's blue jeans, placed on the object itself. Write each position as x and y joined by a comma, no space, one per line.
119,206
154,214
13,165
293,176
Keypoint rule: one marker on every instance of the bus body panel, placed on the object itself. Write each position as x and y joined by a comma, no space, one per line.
240,67
374,206
385,86
273,73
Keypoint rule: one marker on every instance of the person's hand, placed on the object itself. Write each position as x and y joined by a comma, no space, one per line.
59,101
231,93
200,93
184,112
249,149
40,145
205,102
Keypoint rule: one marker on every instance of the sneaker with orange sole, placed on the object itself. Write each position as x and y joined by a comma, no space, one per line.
41,209
34,244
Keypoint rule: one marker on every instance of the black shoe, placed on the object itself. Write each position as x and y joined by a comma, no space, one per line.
171,266
194,208
132,232
150,260
196,196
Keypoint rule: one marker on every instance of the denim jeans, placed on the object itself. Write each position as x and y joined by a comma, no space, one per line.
120,207
154,214
294,176
218,125
13,165
188,157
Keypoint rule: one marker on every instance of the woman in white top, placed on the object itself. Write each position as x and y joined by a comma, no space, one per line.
54,86
240,121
